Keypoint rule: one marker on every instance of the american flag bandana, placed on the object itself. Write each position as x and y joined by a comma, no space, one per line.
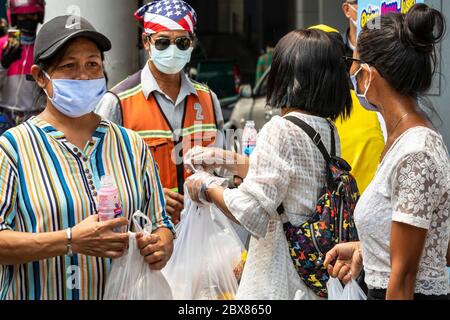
167,15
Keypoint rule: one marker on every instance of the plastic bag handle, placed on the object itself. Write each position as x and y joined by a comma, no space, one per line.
148,225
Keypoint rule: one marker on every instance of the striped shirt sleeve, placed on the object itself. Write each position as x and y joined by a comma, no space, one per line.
154,205
8,191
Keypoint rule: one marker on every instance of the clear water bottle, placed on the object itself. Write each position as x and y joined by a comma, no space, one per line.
249,138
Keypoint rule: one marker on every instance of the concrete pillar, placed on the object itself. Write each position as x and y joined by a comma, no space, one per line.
223,17
115,19
330,13
307,13
231,16
237,16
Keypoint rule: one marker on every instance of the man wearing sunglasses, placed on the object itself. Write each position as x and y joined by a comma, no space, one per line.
170,111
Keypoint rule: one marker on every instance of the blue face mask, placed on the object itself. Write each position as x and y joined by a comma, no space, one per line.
172,60
76,98
363,97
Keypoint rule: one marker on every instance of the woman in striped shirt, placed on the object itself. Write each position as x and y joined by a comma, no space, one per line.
52,245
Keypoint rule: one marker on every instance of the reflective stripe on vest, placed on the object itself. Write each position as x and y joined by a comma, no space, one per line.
186,131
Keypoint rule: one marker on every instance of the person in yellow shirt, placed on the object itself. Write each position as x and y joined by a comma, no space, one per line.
362,143
362,140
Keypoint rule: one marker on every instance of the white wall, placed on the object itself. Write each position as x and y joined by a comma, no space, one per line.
115,19
441,96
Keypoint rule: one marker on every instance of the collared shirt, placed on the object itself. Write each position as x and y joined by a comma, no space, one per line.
109,106
47,184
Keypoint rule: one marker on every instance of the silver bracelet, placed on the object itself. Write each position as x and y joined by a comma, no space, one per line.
69,242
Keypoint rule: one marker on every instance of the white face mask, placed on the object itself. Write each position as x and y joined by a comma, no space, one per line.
76,98
362,97
171,60
354,22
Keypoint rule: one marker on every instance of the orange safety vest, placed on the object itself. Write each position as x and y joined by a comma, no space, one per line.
168,145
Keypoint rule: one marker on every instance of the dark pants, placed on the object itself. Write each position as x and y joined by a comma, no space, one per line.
380,294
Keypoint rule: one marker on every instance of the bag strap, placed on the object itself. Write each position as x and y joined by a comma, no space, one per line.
316,138
145,227
333,140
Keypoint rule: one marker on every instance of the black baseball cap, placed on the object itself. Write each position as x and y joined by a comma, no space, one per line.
59,31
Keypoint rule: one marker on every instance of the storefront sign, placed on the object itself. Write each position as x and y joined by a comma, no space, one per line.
370,10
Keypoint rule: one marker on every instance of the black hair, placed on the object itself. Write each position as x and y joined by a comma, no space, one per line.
309,73
403,48
339,41
49,65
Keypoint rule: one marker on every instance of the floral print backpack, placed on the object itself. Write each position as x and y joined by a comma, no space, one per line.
332,222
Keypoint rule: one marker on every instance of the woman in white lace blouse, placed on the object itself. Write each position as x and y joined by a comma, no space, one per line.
403,217
308,80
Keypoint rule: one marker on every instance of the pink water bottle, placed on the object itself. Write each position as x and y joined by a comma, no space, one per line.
109,206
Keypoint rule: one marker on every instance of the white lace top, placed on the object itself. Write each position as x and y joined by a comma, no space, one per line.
412,186
285,167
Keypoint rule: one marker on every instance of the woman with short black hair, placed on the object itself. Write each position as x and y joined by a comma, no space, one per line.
306,75
403,218
308,80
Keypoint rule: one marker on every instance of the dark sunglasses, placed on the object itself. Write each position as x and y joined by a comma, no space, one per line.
347,58
182,43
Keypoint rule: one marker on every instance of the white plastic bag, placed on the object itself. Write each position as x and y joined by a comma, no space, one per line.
299,295
352,291
208,255
131,278
335,289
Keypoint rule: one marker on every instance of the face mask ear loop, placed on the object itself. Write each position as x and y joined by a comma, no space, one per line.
355,23
46,75
149,39
370,82
150,57
359,70
355,75
49,79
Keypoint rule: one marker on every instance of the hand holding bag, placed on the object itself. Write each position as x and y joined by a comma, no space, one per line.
130,277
